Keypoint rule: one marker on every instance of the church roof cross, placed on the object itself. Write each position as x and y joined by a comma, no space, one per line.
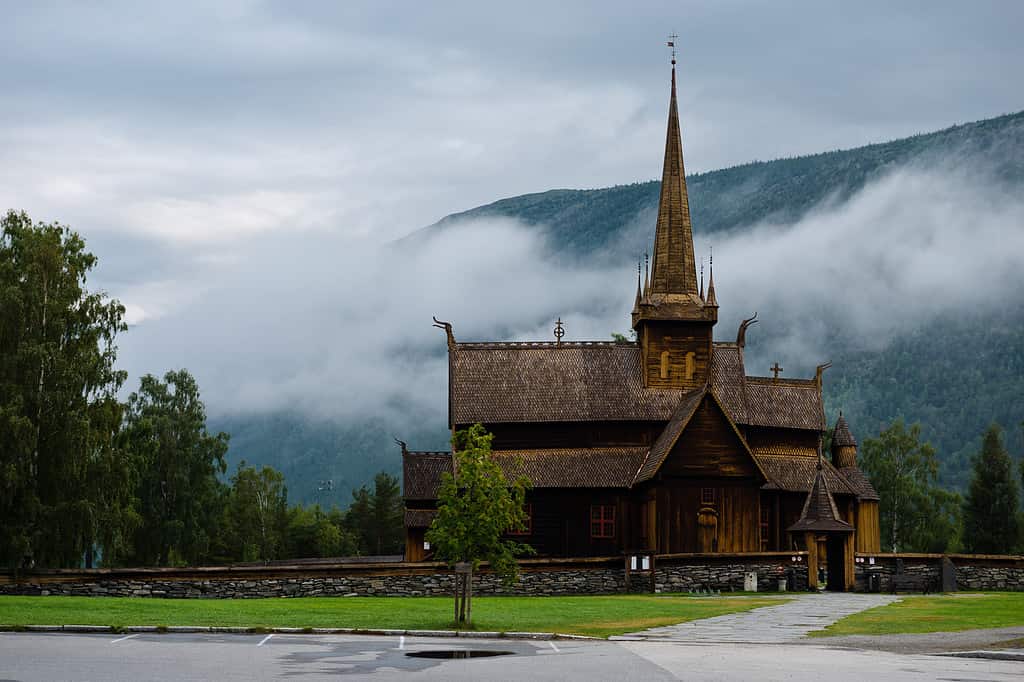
776,369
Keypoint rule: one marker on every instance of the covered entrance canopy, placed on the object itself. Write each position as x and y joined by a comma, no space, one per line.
826,536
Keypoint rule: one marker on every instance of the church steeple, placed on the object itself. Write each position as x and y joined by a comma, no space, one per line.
674,271
674,293
673,321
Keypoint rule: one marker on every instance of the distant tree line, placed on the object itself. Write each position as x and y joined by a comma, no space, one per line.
918,515
86,479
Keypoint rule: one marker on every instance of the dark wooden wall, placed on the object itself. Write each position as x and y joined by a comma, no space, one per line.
561,522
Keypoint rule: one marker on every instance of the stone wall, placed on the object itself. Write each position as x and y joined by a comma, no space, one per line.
923,572
728,575
678,573
673,573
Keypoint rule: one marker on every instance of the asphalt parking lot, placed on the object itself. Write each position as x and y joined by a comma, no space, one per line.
32,657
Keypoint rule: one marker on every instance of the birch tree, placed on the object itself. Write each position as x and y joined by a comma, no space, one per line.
65,488
916,514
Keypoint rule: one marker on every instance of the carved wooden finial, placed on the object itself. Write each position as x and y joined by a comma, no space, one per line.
741,335
447,327
818,371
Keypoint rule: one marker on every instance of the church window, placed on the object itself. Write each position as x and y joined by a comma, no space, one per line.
602,521
691,364
707,495
664,364
527,528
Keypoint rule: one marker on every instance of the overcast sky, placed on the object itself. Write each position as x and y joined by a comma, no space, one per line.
183,138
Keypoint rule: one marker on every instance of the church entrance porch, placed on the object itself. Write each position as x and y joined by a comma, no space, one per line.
830,561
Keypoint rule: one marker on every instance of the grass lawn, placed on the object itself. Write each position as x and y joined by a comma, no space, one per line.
597,616
940,613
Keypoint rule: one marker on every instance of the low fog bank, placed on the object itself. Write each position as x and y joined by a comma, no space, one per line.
340,329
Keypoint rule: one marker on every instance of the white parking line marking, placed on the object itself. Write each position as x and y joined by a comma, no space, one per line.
123,638
554,647
401,642
264,640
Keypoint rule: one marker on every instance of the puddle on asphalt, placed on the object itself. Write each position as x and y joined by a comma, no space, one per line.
458,653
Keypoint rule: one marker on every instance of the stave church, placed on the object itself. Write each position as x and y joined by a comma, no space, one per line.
663,444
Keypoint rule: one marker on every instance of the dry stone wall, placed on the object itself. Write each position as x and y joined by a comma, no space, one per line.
675,573
923,572
412,580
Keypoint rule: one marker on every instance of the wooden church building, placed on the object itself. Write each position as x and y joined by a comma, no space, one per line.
663,444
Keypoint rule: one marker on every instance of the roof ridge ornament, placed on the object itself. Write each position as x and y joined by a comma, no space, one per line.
741,335
559,331
447,327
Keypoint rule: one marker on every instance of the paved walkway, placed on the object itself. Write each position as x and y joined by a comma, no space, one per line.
784,623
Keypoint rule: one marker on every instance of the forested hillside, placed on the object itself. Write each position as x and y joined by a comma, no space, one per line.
954,374
582,222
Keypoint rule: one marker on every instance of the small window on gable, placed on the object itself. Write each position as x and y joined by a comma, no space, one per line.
707,496
664,364
691,365
527,528
602,521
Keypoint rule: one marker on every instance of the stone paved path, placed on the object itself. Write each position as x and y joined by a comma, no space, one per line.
786,622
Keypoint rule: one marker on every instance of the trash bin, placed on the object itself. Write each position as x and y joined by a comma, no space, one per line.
874,582
782,584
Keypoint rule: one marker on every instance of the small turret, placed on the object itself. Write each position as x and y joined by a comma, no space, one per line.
712,301
844,446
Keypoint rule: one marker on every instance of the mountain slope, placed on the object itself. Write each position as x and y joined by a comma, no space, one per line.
581,222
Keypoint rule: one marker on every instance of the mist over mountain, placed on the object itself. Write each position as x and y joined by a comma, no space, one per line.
899,262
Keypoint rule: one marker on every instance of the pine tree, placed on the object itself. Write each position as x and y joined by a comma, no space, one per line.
991,506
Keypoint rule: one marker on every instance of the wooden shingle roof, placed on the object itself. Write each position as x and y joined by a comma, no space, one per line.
819,513
547,382
797,473
859,482
784,403
573,467
494,383
841,436
421,473
419,518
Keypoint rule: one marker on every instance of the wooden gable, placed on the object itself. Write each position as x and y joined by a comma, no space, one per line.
710,447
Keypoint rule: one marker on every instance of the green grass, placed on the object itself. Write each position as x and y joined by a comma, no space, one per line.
940,613
596,616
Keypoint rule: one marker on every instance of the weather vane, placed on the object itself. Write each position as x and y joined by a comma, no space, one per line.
559,331
672,43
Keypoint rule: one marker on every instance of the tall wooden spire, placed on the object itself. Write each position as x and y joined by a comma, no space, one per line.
674,290
674,271
673,321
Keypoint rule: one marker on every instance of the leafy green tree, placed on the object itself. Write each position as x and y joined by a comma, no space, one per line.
180,496
64,486
476,507
312,533
376,517
916,514
991,506
257,512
